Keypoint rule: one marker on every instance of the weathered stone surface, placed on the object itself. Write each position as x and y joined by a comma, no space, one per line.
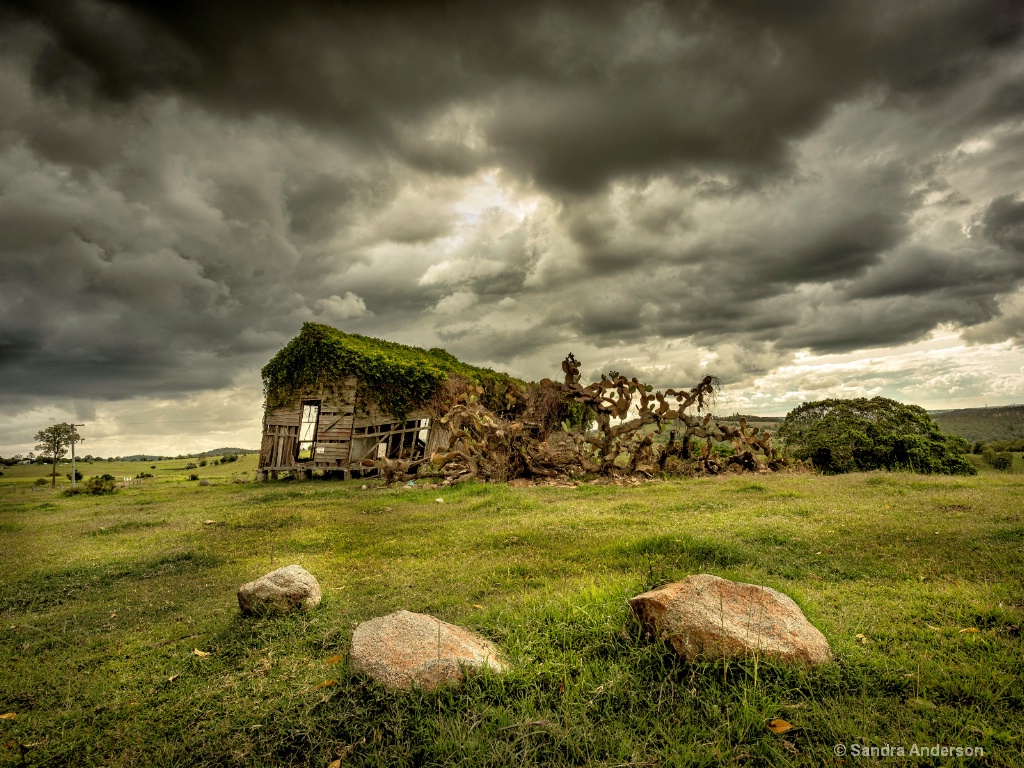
404,648
709,617
281,591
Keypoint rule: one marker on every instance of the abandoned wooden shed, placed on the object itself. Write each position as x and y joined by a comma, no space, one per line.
335,399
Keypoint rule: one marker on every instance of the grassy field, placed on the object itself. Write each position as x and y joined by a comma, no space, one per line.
917,582
20,477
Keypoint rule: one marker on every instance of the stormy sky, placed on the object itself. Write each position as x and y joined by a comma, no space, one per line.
808,199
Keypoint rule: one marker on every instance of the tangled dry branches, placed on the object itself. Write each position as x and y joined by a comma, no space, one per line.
530,441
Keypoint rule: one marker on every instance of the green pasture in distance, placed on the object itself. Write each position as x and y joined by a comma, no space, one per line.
164,470
916,581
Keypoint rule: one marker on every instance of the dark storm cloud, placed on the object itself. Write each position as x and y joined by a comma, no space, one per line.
844,250
183,184
1003,223
578,93
917,272
860,324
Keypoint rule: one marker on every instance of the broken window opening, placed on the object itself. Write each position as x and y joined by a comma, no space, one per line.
307,430
406,440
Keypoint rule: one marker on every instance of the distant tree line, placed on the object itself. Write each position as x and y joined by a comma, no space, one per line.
1002,424
221,455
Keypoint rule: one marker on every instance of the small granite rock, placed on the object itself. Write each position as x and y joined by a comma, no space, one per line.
404,648
706,616
281,591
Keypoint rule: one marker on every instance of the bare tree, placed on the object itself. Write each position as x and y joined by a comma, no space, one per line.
54,441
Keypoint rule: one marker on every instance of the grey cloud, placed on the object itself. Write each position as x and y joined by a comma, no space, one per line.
576,95
918,271
189,181
838,325
316,204
501,347
843,250
1003,222
1005,325
144,280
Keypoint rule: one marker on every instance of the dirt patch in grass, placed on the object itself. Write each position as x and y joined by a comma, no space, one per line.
124,527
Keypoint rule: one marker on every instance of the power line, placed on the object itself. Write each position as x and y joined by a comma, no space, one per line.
184,421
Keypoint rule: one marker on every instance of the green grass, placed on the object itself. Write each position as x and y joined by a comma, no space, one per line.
20,478
104,599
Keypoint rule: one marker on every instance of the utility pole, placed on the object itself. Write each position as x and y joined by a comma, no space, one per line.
74,434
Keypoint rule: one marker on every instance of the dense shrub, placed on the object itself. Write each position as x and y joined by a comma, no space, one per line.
42,481
998,459
202,462
193,477
191,465
860,435
78,475
144,475
97,486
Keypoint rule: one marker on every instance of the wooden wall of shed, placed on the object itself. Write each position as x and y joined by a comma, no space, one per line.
334,430
340,415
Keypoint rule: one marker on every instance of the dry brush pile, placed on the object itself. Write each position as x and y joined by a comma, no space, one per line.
533,437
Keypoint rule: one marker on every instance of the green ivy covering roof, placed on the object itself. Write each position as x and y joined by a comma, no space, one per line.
399,378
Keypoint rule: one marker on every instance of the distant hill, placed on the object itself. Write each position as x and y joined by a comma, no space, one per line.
157,457
222,451
750,419
987,425
765,423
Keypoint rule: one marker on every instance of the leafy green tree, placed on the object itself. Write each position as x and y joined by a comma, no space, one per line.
53,443
860,435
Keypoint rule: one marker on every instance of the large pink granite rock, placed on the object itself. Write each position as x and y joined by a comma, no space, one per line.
404,648
706,616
